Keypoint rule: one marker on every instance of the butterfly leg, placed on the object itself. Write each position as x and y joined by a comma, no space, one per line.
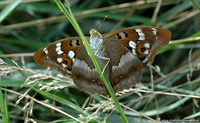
108,60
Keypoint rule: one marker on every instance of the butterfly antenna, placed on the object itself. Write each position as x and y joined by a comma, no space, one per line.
101,21
85,23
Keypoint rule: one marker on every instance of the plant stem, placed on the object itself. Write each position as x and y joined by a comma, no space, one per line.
196,4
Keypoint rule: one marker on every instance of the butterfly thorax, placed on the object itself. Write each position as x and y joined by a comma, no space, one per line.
96,41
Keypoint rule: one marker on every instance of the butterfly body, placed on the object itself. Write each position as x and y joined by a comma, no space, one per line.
126,51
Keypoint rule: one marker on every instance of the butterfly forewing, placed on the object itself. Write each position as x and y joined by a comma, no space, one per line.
59,55
144,42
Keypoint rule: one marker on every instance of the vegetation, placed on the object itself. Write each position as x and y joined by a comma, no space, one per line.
169,90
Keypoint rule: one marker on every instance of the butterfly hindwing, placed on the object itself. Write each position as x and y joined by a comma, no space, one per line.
85,74
125,68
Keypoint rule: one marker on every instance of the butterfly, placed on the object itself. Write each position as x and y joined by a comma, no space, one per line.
122,53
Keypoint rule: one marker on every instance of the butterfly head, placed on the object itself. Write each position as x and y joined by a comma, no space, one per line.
95,36
93,33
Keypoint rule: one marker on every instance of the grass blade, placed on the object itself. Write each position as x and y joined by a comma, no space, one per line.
6,11
196,4
62,101
3,107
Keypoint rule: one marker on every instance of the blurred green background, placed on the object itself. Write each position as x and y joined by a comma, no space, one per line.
169,90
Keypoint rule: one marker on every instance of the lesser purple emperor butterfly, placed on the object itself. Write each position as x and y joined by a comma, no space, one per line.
128,51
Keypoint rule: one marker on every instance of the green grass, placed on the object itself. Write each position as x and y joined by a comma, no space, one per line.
3,107
170,91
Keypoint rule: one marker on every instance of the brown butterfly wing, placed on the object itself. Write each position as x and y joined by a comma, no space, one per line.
70,57
59,55
144,42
